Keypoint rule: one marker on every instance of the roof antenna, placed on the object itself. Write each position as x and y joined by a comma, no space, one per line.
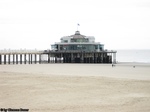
78,26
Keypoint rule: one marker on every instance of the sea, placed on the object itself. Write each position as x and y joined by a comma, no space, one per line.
139,56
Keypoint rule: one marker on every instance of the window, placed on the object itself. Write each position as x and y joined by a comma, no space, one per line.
65,41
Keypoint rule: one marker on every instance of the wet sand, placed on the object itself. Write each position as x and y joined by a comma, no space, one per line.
76,87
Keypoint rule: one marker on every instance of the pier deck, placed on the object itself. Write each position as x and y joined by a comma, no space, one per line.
49,56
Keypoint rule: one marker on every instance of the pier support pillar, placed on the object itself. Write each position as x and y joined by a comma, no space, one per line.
48,58
25,60
13,58
0,59
20,58
72,60
16,58
82,58
35,58
114,58
31,58
9,58
4,59
110,58
89,59
55,59
39,58
102,58
95,59
99,58
61,58
92,57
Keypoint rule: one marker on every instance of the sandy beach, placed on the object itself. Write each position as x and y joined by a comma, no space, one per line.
76,87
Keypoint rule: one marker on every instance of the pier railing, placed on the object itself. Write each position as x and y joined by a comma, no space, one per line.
78,51
21,51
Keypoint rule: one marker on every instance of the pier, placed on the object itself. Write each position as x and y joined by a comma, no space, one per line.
75,48
50,56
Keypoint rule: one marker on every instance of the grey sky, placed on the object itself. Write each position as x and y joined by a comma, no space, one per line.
30,24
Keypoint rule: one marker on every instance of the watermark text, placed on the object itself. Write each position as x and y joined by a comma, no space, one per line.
13,110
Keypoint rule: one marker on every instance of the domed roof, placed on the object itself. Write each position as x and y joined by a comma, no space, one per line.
77,35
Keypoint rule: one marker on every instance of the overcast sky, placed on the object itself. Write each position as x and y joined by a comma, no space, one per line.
36,24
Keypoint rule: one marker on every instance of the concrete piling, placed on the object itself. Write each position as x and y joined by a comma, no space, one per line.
16,58
0,59
20,58
9,58
4,59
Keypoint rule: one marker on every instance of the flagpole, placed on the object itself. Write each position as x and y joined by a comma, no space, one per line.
78,26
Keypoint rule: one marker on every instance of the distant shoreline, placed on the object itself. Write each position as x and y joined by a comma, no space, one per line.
136,63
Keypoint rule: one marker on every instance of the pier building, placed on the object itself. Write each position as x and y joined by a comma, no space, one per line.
79,48
78,42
